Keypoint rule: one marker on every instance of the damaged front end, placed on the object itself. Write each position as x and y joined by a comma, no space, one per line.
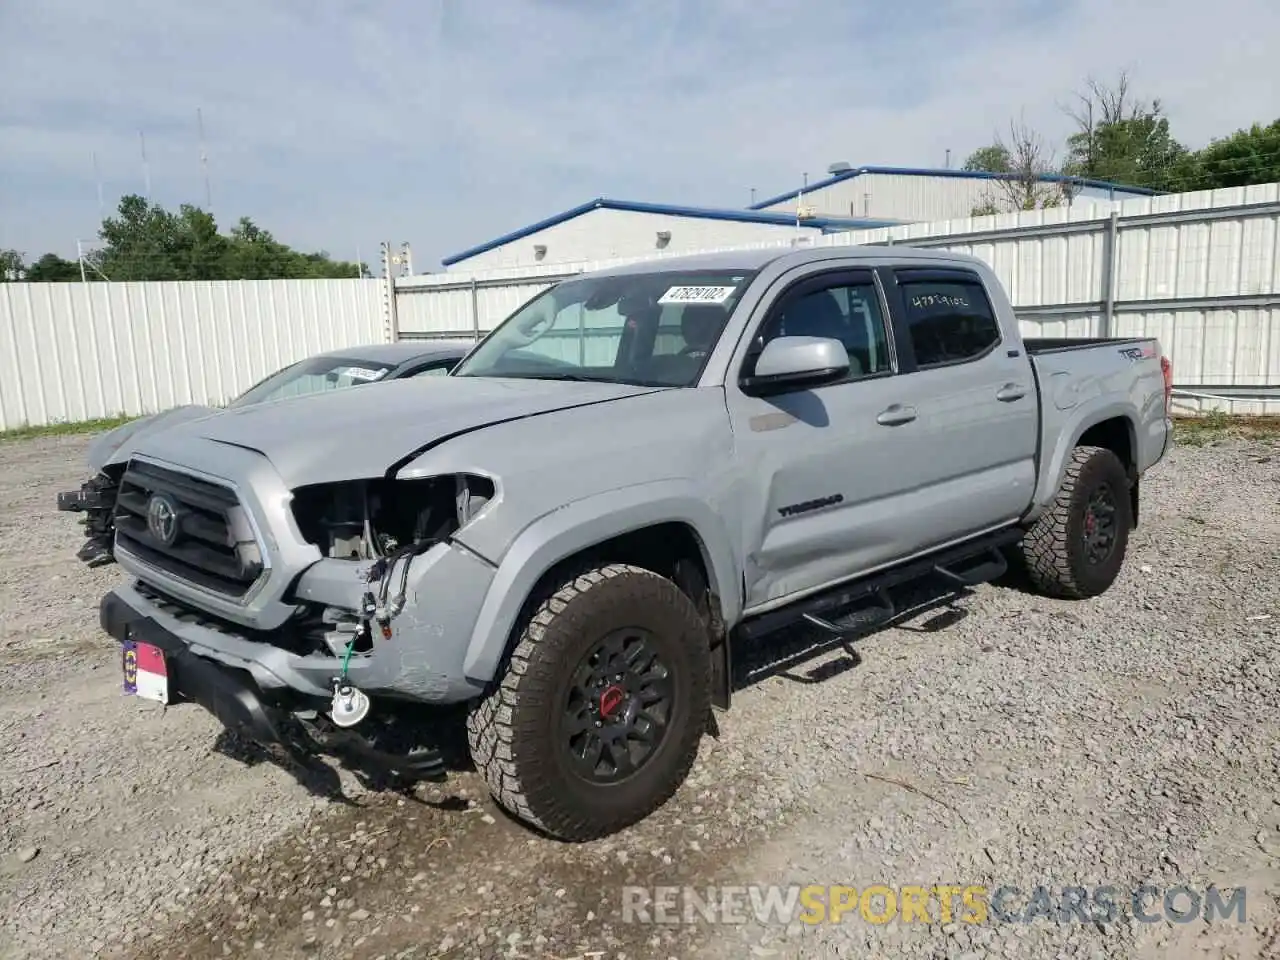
356,650
96,499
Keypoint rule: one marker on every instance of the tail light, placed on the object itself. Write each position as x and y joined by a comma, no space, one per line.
1166,367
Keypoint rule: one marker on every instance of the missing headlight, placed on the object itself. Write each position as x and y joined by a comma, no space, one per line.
362,519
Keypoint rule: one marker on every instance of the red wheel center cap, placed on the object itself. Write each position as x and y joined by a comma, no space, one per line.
610,700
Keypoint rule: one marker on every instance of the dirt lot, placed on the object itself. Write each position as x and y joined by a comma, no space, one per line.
1011,741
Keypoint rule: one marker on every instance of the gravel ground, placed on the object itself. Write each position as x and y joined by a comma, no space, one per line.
1008,741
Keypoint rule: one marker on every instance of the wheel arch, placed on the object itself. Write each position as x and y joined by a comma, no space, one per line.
1112,425
650,525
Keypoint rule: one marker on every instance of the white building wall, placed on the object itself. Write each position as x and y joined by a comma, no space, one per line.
915,198
603,233
85,351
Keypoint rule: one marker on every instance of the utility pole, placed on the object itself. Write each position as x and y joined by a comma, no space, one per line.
146,170
406,260
97,179
204,163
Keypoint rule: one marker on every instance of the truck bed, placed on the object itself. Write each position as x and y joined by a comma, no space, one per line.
1042,345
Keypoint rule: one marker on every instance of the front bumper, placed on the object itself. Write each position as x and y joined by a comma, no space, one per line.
227,693
283,721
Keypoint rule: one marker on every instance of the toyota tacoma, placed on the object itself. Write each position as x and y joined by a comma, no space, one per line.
639,469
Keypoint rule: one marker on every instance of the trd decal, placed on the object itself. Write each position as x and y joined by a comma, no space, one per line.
809,505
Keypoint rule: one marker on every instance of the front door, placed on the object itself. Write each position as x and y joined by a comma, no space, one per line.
821,465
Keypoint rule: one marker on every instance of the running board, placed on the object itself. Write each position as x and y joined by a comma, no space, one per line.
994,568
833,607
848,624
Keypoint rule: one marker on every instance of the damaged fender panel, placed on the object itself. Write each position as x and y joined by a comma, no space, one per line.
423,657
582,524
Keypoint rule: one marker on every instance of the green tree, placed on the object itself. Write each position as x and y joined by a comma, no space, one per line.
1123,139
1024,162
146,242
1244,158
12,265
992,159
53,268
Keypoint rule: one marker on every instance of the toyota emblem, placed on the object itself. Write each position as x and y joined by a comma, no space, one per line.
162,519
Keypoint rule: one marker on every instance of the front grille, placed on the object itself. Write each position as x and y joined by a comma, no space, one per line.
191,528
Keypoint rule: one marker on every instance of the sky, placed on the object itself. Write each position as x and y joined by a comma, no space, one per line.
446,123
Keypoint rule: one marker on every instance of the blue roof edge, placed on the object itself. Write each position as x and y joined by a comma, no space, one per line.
825,224
965,174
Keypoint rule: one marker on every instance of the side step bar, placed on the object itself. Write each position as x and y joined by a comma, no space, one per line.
844,611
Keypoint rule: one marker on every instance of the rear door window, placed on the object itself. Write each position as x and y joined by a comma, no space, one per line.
948,316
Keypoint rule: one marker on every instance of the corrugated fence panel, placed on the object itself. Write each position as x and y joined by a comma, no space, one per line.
76,351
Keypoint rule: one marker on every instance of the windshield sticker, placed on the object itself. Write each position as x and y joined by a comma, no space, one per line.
697,295
361,373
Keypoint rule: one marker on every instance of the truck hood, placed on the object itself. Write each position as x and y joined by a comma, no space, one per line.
115,445
350,434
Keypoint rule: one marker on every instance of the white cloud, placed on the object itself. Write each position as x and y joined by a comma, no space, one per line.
445,123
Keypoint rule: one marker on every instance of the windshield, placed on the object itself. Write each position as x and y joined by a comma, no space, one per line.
653,329
312,376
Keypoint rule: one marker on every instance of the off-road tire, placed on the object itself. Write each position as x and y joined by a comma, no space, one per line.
512,733
1053,552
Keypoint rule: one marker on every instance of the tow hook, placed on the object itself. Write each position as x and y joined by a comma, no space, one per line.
350,705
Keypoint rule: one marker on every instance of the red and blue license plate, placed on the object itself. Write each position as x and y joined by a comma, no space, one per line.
146,674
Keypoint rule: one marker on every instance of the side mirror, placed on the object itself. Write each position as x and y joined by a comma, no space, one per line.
790,363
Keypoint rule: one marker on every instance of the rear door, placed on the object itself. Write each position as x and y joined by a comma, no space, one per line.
973,462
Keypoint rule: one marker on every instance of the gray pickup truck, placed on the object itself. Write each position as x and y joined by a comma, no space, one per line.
636,470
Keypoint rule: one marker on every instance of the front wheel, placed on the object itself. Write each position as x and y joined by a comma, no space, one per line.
598,716
1076,548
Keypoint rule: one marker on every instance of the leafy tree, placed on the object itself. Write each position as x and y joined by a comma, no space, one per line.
1023,161
1124,140
12,265
51,268
1244,158
147,242
992,159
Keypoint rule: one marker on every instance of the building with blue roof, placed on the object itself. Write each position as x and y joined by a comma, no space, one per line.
920,195
850,198
604,228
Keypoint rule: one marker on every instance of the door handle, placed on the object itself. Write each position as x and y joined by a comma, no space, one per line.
1010,392
896,414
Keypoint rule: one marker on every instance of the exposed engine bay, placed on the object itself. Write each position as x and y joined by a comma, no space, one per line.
371,519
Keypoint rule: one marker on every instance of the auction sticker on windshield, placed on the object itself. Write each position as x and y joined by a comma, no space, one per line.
361,373
697,295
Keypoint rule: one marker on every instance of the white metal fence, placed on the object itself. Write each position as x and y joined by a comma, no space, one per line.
1201,271
83,351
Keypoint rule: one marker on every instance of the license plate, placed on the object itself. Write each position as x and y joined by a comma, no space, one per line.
145,671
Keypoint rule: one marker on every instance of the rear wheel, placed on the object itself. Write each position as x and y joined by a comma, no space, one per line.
1076,548
598,717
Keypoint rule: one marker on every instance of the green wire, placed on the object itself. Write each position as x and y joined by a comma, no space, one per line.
346,657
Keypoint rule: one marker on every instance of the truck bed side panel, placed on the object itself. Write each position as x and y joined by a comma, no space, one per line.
1081,388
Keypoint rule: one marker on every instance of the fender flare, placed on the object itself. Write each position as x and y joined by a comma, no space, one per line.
1085,416
582,524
